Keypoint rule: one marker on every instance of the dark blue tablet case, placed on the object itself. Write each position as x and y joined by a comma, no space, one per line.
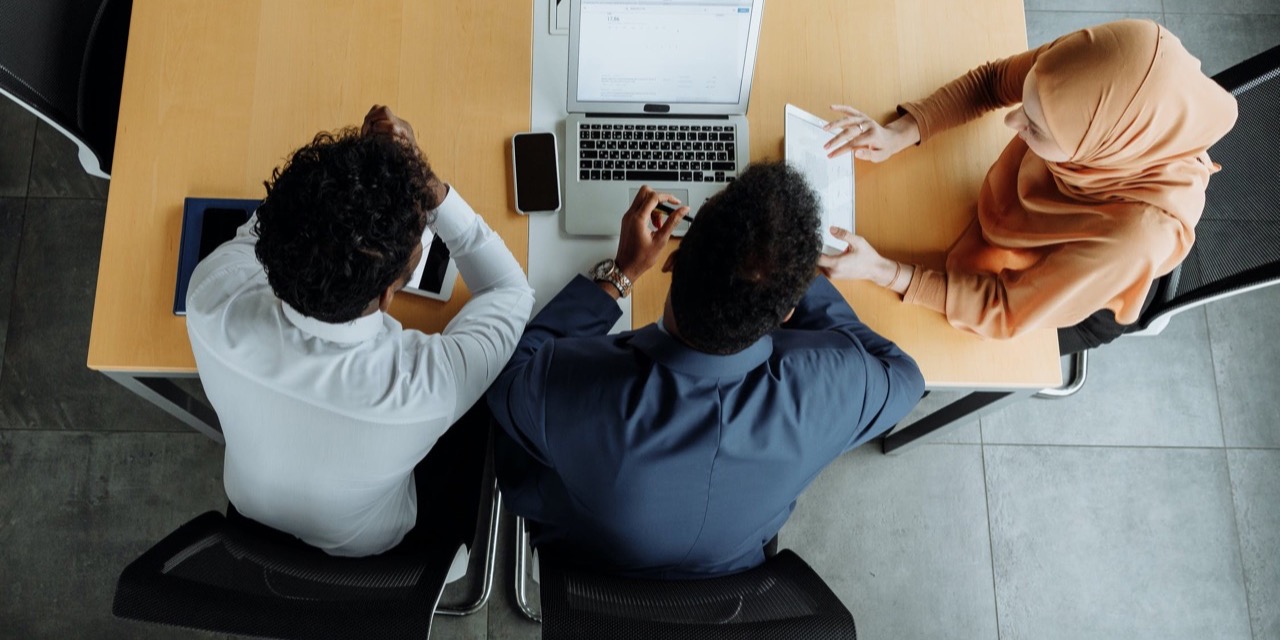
195,246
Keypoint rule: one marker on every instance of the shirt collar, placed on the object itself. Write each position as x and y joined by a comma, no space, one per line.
670,352
359,330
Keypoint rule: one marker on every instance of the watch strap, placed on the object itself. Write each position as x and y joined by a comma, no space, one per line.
613,276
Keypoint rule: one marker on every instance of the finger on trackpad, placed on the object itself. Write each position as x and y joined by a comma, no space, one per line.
680,194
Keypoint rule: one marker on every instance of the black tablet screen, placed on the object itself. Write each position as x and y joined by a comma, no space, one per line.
437,265
219,226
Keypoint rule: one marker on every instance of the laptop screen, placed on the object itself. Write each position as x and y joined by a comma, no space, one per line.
663,51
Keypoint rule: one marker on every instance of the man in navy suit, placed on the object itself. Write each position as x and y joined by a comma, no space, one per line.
678,450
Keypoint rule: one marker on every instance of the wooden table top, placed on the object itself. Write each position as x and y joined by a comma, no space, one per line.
873,56
216,94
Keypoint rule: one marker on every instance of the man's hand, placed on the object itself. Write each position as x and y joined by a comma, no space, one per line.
858,262
638,247
858,133
381,122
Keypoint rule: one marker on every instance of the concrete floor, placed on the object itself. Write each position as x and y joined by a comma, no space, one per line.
1147,506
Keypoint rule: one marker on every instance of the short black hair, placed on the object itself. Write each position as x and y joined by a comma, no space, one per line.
747,260
340,222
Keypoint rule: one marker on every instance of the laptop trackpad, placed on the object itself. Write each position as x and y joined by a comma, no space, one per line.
681,194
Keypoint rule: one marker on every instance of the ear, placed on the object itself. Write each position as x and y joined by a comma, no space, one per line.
671,262
384,300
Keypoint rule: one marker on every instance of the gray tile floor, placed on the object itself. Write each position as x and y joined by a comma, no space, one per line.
1148,506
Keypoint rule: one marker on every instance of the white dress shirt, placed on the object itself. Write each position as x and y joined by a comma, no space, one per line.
325,422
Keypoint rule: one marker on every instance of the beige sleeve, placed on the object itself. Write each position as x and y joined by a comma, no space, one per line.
991,86
928,288
1063,288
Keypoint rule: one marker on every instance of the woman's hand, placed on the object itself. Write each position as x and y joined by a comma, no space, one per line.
860,261
858,133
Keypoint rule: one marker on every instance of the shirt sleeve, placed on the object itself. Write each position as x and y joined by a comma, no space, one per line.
891,381
892,385
480,339
991,86
517,398
928,288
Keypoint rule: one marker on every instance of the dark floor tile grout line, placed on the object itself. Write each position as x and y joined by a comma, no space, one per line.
991,543
31,163
13,295
193,432
1217,385
1235,519
1127,446
1231,485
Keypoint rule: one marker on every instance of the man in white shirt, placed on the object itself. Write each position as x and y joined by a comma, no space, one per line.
326,402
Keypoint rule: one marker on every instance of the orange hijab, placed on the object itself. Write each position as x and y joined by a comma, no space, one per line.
1131,107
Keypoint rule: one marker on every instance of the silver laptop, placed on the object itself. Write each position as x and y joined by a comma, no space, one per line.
658,94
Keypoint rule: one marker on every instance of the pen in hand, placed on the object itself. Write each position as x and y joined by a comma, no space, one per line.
668,210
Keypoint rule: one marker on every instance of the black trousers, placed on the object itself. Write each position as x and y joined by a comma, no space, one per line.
449,481
1096,330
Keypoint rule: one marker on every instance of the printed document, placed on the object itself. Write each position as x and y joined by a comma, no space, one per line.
831,178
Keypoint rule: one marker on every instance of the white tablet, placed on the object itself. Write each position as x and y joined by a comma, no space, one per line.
831,178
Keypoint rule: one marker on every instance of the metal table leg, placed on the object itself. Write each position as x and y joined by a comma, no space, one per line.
162,392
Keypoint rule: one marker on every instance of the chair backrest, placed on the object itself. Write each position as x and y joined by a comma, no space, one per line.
235,575
1238,238
783,598
64,60
224,576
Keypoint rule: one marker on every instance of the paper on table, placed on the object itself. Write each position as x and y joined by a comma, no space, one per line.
831,178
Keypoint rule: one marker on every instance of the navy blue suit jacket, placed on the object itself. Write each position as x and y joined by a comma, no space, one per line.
637,454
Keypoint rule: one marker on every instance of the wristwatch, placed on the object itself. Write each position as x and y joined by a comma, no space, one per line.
607,271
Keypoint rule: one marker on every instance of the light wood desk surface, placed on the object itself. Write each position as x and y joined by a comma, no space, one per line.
873,56
216,94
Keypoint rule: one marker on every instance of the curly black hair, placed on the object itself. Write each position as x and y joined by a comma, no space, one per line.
340,221
747,260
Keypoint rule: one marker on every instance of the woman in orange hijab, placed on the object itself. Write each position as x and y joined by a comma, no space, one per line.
1096,197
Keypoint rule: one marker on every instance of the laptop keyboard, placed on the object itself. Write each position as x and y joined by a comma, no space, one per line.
657,152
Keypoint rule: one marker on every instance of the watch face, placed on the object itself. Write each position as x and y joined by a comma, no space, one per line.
602,269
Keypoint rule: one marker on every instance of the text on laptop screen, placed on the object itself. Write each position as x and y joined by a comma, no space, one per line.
663,51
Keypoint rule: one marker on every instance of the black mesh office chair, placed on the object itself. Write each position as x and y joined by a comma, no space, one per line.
1237,246
233,575
64,61
783,598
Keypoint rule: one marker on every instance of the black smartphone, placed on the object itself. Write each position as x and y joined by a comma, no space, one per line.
536,165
